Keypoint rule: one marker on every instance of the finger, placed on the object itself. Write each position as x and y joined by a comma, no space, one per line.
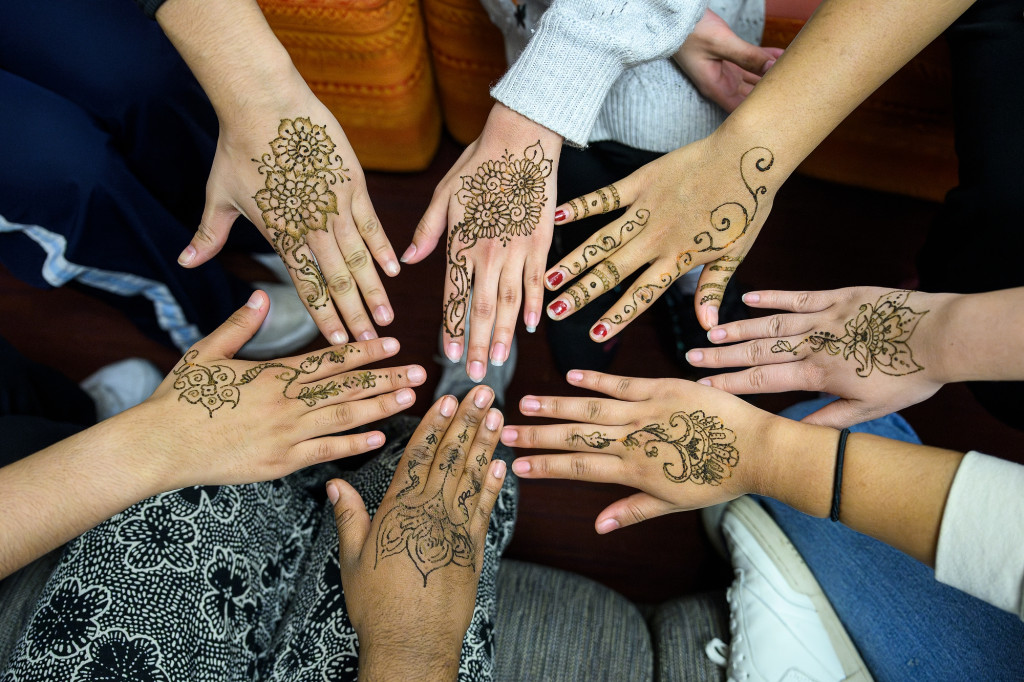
328,419
841,414
411,473
618,387
493,481
579,437
631,510
647,289
601,278
333,361
483,310
456,298
352,519
533,291
480,453
600,246
358,262
791,376
317,450
750,354
452,451
430,228
314,291
572,466
767,327
372,232
609,198
792,301
341,285
711,284
211,234
505,318
587,410
360,385
226,339
745,55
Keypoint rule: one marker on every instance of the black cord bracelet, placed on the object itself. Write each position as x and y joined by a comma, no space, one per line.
837,480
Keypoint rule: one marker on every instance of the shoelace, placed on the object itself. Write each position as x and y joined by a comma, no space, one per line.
718,652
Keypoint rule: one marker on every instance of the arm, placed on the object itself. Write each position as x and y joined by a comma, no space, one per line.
284,162
878,349
706,202
213,421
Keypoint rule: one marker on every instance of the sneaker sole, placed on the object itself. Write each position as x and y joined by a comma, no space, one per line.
796,572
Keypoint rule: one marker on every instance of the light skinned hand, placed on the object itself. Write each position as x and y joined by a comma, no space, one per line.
410,574
723,66
238,421
701,204
681,445
496,204
873,347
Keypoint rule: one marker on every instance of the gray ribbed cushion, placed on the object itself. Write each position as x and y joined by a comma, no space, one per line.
18,595
681,628
555,625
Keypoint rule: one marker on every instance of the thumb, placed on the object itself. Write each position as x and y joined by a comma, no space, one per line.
839,414
225,340
631,510
429,230
211,234
747,56
711,286
351,517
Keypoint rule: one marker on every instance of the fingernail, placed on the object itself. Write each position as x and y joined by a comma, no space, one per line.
607,526
770,64
448,404
187,256
557,308
713,315
600,330
498,468
255,301
574,375
705,382
367,335
392,268
389,345
559,215
382,315
409,253
476,371
751,298
332,492
338,338
375,440
529,404
532,320
521,466
555,278
509,435
492,420
716,334
405,396
694,356
454,351
482,397
498,354
416,373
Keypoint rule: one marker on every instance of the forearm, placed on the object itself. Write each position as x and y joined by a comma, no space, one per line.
982,337
59,493
409,661
893,491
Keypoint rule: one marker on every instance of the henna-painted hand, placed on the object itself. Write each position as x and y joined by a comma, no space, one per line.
698,204
291,171
496,204
856,343
410,575
237,421
684,446
723,66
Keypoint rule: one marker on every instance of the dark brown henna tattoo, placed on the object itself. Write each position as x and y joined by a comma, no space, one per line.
608,243
592,440
300,171
502,200
876,337
702,443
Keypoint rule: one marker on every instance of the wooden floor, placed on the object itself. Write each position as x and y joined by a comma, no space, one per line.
818,236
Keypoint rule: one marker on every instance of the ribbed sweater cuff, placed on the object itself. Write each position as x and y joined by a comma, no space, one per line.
150,6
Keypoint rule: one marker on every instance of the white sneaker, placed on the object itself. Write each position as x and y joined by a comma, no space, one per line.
288,326
121,385
783,627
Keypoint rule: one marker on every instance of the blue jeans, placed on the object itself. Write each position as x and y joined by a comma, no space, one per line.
906,625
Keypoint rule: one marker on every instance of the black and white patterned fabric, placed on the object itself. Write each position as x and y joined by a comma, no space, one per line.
227,583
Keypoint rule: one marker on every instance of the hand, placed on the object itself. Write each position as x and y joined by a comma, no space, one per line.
857,343
223,421
723,66
703,203
410,575
682,445
496,205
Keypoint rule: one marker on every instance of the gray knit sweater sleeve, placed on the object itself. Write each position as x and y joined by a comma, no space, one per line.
150,6
580,48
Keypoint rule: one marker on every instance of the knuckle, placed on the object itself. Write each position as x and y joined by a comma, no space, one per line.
509,295
578,467
593,410
205,234
358,260
483,308
774,325
623,385
755,353
238,319
342,414
535,279
369,227
420,452
383,405
422,229
758,378
635,513
803,300
320,452
339,283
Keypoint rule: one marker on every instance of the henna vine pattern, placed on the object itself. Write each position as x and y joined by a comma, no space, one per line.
608,242
876,337
300,171
215,386
502,200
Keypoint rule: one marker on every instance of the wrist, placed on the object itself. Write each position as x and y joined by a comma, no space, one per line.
429,660
505,124
798,465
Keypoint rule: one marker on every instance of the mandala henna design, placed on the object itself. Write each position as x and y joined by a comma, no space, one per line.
300,171
502,200
876,337
702,443
216,386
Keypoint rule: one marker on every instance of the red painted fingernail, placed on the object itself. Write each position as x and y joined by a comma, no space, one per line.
600,330
555,278
557,308
559,215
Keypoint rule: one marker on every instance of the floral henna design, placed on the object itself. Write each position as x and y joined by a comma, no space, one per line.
218,385
876,337
502,200
300,171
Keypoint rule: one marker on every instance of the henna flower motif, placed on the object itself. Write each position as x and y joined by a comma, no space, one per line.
877,336
523,181
212,387
296,204
427,533
702,443
486,216
302,146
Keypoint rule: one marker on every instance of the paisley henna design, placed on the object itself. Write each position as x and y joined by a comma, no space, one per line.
300,171
502,200
876,337
703,444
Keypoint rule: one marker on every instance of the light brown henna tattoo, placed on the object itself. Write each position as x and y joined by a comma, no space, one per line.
608,244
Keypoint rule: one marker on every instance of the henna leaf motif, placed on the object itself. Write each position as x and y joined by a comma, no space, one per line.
427,534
